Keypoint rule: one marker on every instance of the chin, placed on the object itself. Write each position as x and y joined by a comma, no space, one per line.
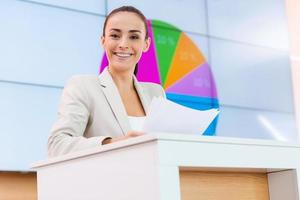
121,67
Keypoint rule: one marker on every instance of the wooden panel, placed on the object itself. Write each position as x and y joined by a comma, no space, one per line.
199,185
18,186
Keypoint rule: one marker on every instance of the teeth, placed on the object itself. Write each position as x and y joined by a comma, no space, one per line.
124,55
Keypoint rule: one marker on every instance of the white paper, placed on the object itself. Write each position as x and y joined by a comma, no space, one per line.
169,117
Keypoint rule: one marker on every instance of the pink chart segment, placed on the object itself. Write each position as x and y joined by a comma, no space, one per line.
148,70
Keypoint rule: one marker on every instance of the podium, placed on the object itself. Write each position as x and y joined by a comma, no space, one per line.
174,167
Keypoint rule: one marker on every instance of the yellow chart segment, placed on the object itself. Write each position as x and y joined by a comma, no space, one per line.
186,57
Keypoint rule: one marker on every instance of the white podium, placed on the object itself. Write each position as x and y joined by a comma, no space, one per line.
174,167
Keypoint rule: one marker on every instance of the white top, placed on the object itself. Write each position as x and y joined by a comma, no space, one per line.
136,123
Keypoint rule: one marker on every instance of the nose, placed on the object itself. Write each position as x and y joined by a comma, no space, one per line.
123,43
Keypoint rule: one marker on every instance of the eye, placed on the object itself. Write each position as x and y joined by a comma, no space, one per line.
114,36
134,37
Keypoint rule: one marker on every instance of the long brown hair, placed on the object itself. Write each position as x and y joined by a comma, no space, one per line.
132,10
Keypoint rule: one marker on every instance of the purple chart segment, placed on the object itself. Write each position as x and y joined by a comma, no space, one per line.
198,82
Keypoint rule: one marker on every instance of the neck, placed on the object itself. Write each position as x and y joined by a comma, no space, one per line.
123,80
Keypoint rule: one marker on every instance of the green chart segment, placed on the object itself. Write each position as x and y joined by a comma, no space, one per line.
166,38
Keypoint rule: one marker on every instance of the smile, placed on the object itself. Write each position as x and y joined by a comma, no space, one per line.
123,55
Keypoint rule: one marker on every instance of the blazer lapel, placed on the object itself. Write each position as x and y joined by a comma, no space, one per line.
114,100
144,98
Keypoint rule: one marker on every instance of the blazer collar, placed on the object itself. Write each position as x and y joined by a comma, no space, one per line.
144,98
113,98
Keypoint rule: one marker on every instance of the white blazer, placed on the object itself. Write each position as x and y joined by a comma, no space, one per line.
91,110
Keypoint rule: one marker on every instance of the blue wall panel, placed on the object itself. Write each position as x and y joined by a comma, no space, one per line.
27,114
251,123
46,45
92,6
262,23
252,76
186,15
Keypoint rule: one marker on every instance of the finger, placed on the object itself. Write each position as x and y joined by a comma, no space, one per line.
135,133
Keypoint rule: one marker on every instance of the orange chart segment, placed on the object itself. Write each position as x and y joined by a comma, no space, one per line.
187,57
165,40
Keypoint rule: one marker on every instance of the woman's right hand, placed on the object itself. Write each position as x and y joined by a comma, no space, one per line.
130,134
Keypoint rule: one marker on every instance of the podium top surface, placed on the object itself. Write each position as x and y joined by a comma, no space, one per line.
165,137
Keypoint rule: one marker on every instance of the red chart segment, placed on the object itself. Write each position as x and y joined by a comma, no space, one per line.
199,82
148,70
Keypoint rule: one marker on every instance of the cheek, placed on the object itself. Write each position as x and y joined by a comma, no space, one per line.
109,51
109,44
139,48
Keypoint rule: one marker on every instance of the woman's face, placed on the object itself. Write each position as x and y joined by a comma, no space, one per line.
124,41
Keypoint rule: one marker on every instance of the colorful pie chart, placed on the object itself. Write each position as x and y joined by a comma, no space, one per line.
175,61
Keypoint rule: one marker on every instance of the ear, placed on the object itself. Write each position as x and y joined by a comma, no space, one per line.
147,44
102,40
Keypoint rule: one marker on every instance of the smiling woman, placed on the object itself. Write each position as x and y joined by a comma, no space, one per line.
111,107
122,41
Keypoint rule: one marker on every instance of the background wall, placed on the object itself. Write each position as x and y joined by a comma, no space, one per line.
45,42
294,30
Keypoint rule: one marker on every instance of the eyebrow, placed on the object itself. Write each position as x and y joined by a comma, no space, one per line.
131,31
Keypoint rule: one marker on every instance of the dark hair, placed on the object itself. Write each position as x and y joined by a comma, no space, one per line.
132,10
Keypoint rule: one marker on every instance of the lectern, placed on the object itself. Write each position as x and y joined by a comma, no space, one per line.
173,167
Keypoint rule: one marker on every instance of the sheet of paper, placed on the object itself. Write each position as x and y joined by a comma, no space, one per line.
169,117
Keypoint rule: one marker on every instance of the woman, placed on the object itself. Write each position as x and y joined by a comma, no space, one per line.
95,111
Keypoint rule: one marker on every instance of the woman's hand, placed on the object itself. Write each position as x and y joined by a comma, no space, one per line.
130,134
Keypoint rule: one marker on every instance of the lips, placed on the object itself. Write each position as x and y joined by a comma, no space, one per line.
122,55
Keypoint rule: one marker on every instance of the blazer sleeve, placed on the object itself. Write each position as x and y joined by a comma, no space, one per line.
67,133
